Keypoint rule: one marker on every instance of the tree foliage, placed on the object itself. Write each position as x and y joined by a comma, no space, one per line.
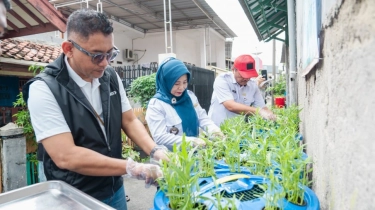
143,88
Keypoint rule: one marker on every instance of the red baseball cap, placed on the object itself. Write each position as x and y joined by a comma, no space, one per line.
245,64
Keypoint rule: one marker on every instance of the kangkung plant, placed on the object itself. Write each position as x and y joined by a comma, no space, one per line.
289,117
233,155
271,149
206,161
294,174
266,148
180,177
273,192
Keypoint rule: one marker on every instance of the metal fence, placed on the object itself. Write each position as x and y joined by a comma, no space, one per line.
129,73
201,81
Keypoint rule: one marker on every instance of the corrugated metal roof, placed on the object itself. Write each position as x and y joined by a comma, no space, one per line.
148,15
268,17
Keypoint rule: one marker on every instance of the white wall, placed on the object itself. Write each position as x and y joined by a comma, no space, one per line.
122,42
49,38
187,49
220,53
123,38
188,45
217,47
337,98
154,44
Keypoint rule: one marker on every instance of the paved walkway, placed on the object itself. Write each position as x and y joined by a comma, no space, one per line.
141,198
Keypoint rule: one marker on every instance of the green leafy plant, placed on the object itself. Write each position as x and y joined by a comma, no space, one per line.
273,192
143,88
180,177
272,150
35,68
206,161
127,150
23,115
267,148
279,88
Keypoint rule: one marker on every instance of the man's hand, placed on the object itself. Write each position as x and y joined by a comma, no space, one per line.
267,114
260,79
143,171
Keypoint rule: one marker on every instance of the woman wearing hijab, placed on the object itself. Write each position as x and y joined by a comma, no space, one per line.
174,110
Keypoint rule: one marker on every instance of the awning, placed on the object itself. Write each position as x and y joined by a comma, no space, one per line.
29,17
147,16
269,18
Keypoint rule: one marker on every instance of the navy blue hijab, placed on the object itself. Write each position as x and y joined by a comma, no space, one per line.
167,75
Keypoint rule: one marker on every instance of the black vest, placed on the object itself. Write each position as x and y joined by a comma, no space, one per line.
84,125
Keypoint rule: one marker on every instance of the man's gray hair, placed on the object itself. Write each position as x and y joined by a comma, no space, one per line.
86,22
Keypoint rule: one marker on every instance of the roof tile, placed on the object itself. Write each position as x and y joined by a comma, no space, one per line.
27,50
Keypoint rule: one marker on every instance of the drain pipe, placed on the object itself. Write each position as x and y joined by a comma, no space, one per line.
292,92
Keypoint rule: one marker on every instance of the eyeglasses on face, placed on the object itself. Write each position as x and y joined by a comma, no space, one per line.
97,58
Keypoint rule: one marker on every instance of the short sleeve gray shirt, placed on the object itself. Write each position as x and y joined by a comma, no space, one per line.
226,88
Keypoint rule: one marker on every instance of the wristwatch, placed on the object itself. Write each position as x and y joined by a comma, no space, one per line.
157,147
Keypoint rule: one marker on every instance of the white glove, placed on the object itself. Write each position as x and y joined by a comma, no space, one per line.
267,114
215,133
218,135
143,171
197,142
159,153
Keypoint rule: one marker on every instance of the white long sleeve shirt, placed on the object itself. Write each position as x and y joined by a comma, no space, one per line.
161,117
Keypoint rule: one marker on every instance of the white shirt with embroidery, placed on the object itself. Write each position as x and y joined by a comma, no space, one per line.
162,117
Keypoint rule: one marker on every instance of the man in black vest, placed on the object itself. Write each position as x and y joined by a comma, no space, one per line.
78,107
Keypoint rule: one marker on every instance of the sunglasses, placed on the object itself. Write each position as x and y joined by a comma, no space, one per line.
97,58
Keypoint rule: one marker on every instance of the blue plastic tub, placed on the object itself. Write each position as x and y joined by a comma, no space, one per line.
242,185
220,164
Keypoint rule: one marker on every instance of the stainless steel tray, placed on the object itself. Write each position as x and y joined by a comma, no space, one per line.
55,195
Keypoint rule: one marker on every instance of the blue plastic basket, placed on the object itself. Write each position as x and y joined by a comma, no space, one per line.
242,185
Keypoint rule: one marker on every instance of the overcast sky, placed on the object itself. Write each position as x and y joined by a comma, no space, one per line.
246,42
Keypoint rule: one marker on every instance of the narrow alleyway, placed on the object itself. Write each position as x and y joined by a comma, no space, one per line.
141,198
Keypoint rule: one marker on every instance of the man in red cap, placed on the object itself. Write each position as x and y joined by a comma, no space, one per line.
234,93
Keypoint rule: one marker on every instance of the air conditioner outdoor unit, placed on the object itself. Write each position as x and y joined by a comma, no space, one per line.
128,54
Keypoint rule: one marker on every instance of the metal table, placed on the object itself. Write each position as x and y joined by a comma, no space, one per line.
55,195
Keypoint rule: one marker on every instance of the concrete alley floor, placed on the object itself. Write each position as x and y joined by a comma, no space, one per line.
141,198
